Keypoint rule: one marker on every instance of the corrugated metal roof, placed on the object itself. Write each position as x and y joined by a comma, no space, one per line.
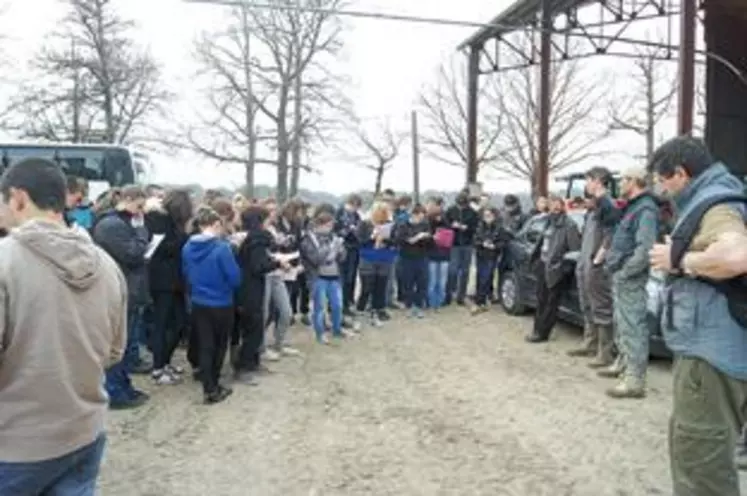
520,14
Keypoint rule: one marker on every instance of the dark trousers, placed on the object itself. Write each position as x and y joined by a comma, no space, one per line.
373,291
252,323
400,281
169,318
349,275
213,326
548,301
414,275
459,265
298,291
485,277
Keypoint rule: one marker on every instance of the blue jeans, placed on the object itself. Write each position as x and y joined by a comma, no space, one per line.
73,474
118,384
414,275
485,276
438,273
324,293
391,283
461,259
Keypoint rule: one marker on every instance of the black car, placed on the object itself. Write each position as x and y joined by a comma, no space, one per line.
518,282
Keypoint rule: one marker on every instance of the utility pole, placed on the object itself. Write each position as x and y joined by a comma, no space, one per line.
415,158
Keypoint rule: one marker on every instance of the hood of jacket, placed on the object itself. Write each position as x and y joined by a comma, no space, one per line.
72,254
200,246
717,175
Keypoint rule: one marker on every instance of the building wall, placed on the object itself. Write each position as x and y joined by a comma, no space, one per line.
726,121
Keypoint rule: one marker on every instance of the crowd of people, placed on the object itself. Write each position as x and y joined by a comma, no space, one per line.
87,288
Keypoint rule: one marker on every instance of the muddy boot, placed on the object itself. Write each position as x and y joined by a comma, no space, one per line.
615,370
629,387
589,345
605,343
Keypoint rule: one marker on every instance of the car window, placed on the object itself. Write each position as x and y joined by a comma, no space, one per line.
532,230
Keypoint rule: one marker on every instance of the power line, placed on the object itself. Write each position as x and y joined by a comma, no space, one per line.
439,21
381,16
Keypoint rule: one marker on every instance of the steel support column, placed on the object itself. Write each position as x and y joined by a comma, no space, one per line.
473,75
688,11
542,170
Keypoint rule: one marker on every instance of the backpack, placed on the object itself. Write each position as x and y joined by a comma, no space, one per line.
734,289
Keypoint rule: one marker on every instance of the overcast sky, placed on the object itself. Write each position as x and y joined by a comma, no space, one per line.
388,61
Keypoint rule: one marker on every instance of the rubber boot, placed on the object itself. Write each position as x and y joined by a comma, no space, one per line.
629,387
605,344
589,345
615,370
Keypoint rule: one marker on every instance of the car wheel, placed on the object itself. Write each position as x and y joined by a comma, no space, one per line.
510,295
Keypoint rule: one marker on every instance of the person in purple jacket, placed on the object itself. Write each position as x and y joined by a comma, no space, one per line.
212,276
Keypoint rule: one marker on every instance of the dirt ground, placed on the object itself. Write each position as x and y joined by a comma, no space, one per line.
448,405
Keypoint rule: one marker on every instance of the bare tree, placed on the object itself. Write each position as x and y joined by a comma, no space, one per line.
445,114
93,82
263,91
293,39
574,99
381,146
653,93
230,132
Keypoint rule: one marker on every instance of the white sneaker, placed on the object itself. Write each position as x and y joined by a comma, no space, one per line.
174,370
376,321
165,378
291,351
271,355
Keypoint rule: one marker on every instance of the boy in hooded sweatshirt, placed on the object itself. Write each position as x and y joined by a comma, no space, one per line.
212,275
322,252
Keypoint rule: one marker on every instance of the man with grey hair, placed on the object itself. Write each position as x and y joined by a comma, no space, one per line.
628,262
594,284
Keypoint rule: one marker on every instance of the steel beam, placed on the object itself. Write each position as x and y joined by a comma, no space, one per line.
542,171
688,15
473,76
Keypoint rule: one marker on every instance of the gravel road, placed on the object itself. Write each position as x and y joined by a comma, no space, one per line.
448,405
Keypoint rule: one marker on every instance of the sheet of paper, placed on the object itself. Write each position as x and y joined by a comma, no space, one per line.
154,243
286,257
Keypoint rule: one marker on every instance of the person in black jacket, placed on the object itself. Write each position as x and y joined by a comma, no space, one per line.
463,219
256,263
414,239
489,240
347,221
116,233
167,283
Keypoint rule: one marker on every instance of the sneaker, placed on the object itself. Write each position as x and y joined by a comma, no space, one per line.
418,313
305,320
291,351
246,378
384,316
348,313
136,401
376,321
165,378
271,355
324,340
175,369
219,395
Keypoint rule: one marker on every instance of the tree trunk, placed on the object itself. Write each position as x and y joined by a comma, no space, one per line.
379,179
650,112
248,105
298,132
249,178
106,80
283,148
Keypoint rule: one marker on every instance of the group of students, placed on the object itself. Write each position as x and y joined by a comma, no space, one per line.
220,273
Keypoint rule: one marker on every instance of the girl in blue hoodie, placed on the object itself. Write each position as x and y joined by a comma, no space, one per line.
212,275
